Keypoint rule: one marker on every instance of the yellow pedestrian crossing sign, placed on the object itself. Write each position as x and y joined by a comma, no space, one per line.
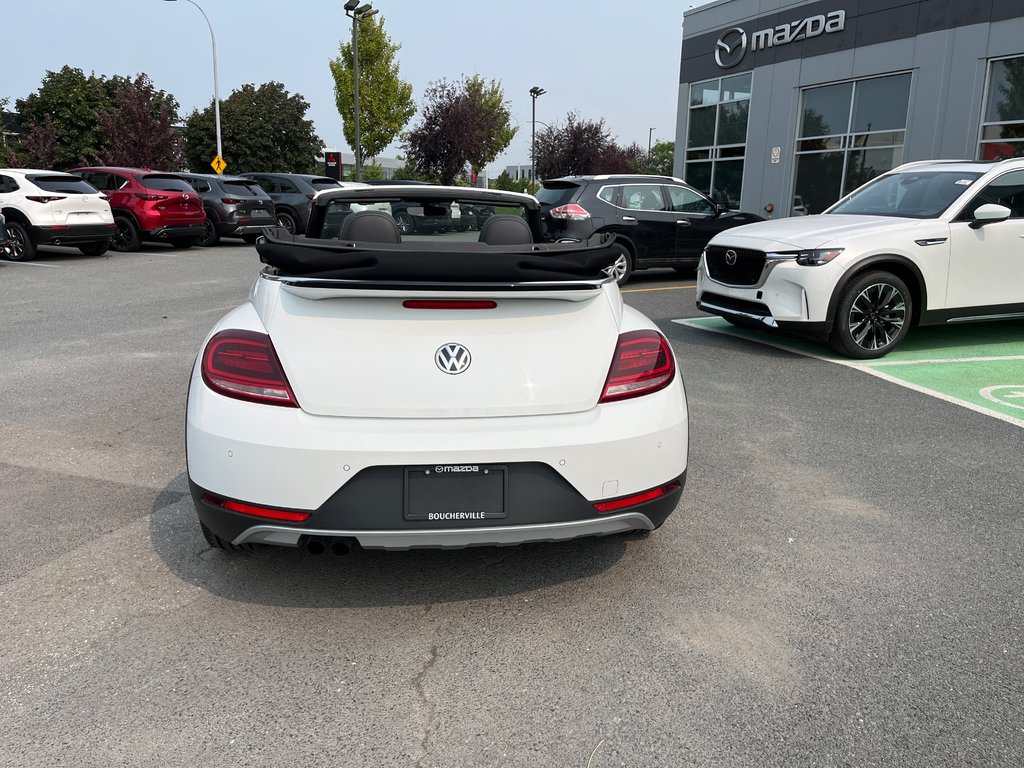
218,164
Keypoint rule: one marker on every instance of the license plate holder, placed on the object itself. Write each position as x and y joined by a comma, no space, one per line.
458,494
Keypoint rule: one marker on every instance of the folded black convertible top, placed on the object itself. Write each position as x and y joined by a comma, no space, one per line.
443,262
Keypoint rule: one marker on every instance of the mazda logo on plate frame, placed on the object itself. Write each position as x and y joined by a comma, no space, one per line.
452,358
730,258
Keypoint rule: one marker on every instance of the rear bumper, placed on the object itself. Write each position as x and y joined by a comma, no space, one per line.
231,229
76,233
175,230
541,507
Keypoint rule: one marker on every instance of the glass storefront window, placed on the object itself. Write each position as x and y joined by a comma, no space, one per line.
716,142
849,134
1002,133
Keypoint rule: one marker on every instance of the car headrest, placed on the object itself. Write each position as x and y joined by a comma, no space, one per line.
370,227
504,229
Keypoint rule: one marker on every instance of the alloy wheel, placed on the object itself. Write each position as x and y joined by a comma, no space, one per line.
877,316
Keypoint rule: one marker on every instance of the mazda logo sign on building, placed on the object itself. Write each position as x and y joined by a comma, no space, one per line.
730,48
452,358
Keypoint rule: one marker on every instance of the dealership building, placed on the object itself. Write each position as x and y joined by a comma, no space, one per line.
794,104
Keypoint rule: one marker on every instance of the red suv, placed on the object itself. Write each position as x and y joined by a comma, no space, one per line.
149,205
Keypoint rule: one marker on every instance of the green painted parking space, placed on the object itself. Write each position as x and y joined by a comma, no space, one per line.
978,366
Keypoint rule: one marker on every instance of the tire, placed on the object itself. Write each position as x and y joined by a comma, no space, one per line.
622,268
182,243
872,317
95,249
217,542
405,223
21,247
250,239
287,221
126,235
210,237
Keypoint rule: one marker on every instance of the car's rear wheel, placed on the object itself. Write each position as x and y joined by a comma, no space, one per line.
622,268
405,223
287,221
872,317
217,542
210,235
95,249
126,235
21,247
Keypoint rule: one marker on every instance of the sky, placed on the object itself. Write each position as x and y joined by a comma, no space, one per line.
613,60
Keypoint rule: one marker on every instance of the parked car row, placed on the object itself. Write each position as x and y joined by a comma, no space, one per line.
96,208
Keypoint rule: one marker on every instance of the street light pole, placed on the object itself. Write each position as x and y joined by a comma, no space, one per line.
535,92
216,90
649,134
355,11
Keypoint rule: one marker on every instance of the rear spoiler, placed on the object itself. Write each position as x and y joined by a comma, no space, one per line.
446,265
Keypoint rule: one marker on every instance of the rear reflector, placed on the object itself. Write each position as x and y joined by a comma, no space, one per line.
636,498
251,509
642,364
244,365
447,304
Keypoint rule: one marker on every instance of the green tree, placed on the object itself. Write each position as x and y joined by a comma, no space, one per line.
262,129
385,100
464,124
661,158
73,102
506,182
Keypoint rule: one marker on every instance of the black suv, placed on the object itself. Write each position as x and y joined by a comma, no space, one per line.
292,193
235,207
661,221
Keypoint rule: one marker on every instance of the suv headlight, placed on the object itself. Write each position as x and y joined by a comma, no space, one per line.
816,258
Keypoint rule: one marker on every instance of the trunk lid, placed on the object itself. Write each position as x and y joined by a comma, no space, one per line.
360,353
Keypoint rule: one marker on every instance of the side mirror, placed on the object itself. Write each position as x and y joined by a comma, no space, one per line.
720,208
989,214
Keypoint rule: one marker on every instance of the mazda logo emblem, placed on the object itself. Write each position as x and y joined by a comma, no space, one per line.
730,258
452,358
731,47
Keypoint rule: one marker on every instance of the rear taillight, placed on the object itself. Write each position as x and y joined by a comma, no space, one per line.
230,201
269,513
149,196
642,364
571,211
44,198
244,365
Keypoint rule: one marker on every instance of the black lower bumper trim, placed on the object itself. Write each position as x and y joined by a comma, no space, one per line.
76,233
175,231
373,501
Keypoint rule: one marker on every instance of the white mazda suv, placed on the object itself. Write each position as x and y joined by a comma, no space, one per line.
444,390
925,244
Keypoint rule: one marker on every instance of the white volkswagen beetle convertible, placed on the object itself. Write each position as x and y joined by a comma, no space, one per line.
467,386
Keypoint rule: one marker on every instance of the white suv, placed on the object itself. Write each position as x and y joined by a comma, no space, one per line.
51,208
928,243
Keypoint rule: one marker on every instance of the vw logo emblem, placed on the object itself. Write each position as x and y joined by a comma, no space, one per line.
730,47
730,258
452,358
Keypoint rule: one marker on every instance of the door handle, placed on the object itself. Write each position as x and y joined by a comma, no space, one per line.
683,222
629,219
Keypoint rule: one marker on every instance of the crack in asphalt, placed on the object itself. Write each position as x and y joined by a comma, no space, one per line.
417,684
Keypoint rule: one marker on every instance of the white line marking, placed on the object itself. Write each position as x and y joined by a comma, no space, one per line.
860,367
30,264
946,360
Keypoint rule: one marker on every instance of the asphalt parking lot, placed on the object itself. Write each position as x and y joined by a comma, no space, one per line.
841,584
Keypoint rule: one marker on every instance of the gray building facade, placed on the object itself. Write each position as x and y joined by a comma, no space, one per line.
794,104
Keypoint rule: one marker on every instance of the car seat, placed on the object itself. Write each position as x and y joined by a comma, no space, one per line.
370,227
505,229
